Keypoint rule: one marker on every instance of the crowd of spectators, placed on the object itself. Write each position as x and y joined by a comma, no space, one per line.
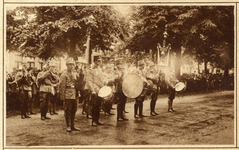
204,83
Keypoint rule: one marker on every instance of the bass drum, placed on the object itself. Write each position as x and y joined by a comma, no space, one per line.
132,86
106,93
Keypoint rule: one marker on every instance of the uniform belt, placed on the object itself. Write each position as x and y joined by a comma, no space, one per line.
70,87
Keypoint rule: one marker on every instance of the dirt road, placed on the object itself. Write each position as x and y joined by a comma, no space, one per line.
203,119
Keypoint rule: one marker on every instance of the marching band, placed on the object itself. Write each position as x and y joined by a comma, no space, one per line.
98,87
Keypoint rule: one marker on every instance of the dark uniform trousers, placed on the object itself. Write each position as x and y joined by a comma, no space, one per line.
120,104
153,96
139,105
70,111
107,105
44,99
13,101
24,98
153,101
53,101
171,97
85,94
96,106
32,102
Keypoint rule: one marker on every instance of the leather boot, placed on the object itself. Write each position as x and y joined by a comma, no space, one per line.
73,123
72,120
42,116
68,129
118,113
93,116
169,105
22,115
54,109
141,110
51,109
135,110
31,108
151,109
26,116
154,108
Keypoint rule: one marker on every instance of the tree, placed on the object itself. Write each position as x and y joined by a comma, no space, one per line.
185,25
59,29
214,28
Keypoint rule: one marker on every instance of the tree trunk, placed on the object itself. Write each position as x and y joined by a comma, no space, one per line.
88,50
205,67
71,51
226,72
176,47
198,68
177,63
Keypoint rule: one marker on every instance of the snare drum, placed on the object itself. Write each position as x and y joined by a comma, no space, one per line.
180,87
106,93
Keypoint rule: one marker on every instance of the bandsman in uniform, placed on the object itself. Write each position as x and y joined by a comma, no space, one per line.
121,98
81,81
44,90
68,93
34,87
24,84
95,83
171,81
140,99
55,83
154,79
86,95
12,95
109,79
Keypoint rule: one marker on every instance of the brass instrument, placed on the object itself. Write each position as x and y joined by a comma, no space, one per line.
26,78
51,78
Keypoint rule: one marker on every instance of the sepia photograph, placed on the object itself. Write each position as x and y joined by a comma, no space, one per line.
119,75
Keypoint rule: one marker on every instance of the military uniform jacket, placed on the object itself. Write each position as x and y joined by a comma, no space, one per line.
94,79
22,85
43,87
121,74
141,73
67,85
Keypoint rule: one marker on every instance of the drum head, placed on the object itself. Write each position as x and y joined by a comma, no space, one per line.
132,85
179,86
105,91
